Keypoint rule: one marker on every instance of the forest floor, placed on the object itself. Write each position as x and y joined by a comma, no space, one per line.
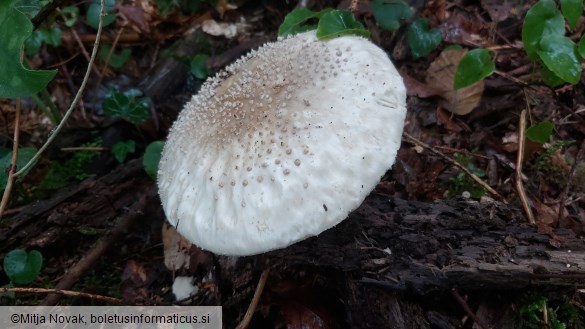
58,208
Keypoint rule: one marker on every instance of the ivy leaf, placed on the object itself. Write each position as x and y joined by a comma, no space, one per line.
70,14
582,47
117,60
199,66
474,66
120,150
389,13
15,80
51,37
152,158
422,40
542,20
549,77
572,10
559,55
127,106
22,267
25,154
541,132
339,22
93,13
29,7
293,22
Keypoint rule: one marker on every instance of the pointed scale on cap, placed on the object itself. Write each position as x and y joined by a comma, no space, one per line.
283,144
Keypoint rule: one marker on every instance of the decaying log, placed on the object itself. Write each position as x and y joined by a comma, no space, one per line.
421,247
390,246
95,202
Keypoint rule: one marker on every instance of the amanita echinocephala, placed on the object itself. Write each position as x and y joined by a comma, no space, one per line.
283,144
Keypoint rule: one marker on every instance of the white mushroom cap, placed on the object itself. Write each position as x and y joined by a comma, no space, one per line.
282,145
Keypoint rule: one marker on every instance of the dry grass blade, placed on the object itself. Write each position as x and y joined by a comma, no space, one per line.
519,161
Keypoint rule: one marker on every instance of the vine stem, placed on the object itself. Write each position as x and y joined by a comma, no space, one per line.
12,175
78,95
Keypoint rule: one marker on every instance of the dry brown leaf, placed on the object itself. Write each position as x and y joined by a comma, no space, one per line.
176,249
417,88
445,118
545,213
441,75
137,17
498,10
136,279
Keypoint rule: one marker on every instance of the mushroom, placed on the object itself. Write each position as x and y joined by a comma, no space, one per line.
283,144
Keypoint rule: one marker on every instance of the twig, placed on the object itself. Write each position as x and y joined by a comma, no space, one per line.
68,293
354,6
480,181
467,310
254,303
511,78
519,161
88,261
572,172
110,53
75,100
84,148
80,43
10,181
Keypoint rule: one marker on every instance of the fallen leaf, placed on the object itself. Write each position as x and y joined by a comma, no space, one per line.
545,214
417,88
498,10
136,280
441,75
136,16
176,249
445,119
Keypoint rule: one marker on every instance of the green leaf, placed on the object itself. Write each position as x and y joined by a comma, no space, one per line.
70,14
572,10
582,47
199,66
117,60
339,22
25,154
152,158
421,39
121,149
389,13
474,66
293,22
29,7
22,267
126,106
541,132
559,55
33,43
93,13
51,37
15,80
542,20
549,78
